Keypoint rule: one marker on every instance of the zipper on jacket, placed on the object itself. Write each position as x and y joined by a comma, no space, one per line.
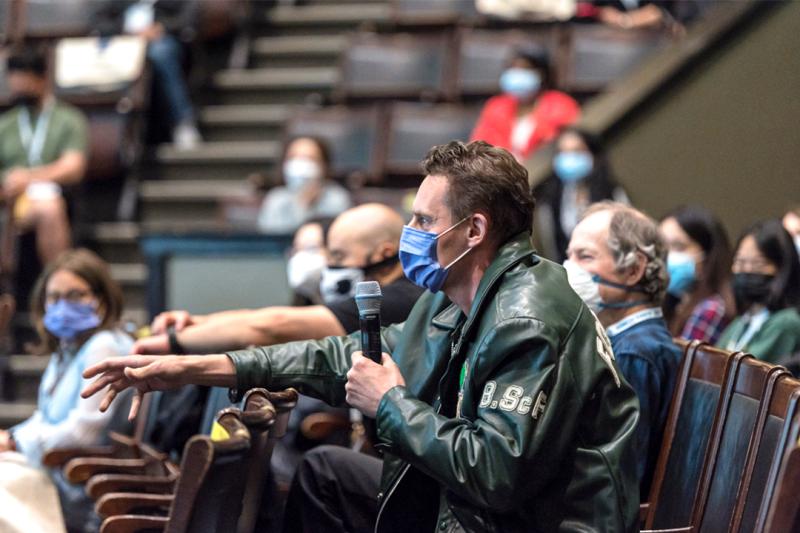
399,478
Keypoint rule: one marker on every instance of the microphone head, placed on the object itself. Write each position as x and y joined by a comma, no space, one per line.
368,297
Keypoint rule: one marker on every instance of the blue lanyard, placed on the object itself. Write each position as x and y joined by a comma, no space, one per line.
33,139
631,320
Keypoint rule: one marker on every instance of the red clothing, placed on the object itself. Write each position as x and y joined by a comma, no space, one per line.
553,111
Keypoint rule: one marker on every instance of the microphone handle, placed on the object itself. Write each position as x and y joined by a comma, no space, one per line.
371,336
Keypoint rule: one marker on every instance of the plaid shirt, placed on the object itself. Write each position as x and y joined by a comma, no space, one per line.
706,321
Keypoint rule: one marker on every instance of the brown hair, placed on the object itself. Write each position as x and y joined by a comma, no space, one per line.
631,232
486,179
95,272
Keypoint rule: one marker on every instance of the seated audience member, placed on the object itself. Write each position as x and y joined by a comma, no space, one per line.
699,303
307,261
161,23
484,422
617,265
43,145
307,192
75,307
791,223
581,176
529,113
766,284
362,245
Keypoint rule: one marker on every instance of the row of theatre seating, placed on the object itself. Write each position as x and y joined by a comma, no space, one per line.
375,129
217,487
728,462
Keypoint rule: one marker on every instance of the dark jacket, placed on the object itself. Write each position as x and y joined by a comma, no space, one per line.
539,439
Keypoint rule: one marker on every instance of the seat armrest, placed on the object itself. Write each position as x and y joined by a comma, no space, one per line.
80,470
133,523
120,503
102,484
687,529
57,457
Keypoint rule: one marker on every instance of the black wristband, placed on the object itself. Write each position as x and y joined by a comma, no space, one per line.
175,347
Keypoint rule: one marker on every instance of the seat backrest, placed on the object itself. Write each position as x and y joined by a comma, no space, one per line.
216,400
415,128
56,18
425,12
353,134
599,54
702,383
208,494
781,507
740,422
398,65
483,55
766,452
266,415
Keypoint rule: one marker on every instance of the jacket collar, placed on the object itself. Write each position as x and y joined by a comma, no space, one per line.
509,255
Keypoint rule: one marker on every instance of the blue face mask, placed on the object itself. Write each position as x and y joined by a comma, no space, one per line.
521,83
66,319
681,268
572,166
418,257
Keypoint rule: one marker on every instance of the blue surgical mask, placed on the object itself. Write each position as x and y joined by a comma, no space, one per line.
681,268
66,320
299,172
418,257
521,83
572,166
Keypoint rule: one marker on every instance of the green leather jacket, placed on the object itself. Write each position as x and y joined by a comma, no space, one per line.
537,438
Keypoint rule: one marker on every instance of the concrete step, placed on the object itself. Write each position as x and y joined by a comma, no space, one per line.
12,413
25,372
116,242
280,85
229,123
298,51
334,14
132,277
217,160
186,201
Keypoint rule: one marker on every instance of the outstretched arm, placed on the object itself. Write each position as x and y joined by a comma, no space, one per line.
148,373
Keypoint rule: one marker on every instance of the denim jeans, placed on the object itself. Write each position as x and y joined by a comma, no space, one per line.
165,56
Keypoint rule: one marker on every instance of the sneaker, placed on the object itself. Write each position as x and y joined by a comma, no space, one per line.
185,136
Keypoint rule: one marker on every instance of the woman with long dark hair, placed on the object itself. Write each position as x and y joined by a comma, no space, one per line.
581,176
699,303
766,284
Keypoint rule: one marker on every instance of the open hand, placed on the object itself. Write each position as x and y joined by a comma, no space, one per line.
155,345
178,319
367,382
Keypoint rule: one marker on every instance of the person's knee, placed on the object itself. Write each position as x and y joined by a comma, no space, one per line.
50,211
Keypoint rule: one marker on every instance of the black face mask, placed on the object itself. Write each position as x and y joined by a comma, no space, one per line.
25,99
751,288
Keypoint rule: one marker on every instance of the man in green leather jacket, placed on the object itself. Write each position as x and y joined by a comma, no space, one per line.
500,408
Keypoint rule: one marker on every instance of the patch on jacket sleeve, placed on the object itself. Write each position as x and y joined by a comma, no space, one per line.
604,350
513,398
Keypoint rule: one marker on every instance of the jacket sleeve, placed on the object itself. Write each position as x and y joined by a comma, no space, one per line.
317,368
525,420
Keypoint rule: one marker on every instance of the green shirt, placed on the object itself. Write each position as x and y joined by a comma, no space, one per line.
67,131
778,337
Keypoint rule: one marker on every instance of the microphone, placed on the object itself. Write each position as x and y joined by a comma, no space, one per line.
368,300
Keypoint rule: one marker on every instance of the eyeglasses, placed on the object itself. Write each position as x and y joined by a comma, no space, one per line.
72,296
744,264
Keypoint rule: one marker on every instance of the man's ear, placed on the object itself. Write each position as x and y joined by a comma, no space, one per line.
478,229
383,251
635,272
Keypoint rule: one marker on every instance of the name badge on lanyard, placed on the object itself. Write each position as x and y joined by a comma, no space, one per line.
33,139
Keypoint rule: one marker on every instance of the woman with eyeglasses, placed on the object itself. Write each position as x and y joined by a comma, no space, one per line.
76,307
766,284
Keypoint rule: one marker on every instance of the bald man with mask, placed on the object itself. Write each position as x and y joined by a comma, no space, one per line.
362,245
